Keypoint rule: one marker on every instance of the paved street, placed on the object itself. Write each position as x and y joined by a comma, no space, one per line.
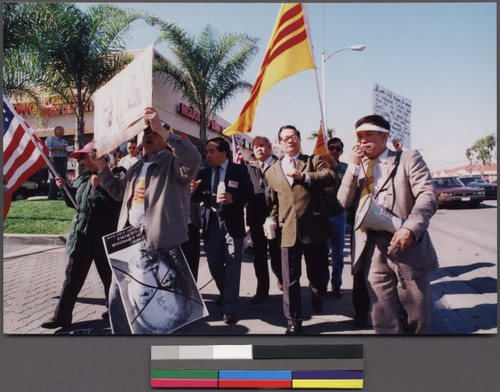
464,288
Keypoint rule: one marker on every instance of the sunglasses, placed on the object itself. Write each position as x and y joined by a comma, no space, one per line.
335,148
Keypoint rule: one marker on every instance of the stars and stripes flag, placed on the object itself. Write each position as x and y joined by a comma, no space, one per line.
288,53
23,152
320,147
237,155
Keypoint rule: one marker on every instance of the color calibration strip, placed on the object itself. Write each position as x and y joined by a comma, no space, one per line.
224,366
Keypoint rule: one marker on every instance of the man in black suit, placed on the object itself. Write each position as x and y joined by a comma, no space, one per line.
224,188
258,209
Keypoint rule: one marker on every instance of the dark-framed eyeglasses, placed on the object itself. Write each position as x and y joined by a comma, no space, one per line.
335,148
289,138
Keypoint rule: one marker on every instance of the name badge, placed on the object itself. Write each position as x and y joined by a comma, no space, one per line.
232,184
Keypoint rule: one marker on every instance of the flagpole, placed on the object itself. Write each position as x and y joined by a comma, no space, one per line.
311,46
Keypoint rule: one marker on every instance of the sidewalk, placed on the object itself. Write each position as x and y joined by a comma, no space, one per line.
33,271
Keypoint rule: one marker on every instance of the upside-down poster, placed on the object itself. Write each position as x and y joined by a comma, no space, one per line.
157,289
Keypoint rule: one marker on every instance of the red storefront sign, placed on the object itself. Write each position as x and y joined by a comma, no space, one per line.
53,107
194,115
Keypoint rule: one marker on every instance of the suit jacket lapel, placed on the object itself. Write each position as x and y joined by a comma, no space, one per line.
391,157
277,172
301,162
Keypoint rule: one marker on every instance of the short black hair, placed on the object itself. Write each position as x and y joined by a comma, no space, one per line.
290,127
221,144
334,140
374,119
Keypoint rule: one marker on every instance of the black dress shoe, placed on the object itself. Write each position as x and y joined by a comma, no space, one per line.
257,299
52,323
337,292
293,329
229,318
360,320
317,304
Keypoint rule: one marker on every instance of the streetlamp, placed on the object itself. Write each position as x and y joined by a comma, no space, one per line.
357,48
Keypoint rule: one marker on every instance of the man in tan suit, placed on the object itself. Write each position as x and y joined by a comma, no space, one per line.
396,266
295,186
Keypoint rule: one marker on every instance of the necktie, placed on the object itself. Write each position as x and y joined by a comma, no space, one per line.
368,183
262,166
213,200
292,163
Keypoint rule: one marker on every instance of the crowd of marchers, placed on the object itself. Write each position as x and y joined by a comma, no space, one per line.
297,206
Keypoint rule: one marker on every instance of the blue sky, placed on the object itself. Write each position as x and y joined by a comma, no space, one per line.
440,56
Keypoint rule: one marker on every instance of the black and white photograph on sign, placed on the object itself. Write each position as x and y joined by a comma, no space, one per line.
120,103
157,289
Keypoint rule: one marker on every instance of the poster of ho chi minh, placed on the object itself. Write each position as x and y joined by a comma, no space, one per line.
157,290
120,103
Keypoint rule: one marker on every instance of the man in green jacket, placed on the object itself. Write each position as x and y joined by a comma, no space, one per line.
96,215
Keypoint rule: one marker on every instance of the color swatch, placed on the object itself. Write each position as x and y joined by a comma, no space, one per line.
257,366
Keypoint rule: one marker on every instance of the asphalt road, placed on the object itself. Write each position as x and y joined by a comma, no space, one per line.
466,282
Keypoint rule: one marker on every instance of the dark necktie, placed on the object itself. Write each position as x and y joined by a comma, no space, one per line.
213,199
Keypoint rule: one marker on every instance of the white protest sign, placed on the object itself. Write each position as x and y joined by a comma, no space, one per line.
120,103
397,110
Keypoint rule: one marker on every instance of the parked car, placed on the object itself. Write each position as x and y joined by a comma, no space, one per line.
36,185
490,190
452,192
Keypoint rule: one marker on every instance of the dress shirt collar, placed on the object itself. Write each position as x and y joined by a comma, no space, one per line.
224,165
383,157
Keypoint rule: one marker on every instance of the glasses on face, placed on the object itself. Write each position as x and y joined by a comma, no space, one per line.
291,138
335,148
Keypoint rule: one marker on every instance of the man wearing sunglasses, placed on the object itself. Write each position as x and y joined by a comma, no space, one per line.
336,214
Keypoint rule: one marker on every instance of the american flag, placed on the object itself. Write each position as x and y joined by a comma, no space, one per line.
21,157
237,155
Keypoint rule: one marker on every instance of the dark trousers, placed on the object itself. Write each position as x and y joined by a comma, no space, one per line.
224,261
360,296
76,273
191,249
316,257
60,164
260,248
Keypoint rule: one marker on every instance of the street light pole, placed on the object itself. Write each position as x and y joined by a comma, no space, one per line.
357,48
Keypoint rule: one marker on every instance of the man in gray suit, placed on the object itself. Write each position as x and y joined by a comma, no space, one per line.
396,266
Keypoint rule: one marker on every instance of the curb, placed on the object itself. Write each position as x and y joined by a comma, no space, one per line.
33,239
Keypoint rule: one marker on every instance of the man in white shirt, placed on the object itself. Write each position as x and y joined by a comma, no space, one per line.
133,155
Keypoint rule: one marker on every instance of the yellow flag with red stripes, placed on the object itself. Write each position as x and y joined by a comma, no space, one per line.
320,147
288,53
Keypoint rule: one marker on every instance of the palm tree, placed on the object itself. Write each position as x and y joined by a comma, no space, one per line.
329,133
208,70
58,49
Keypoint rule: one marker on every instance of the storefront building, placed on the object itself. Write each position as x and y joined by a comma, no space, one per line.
171,105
